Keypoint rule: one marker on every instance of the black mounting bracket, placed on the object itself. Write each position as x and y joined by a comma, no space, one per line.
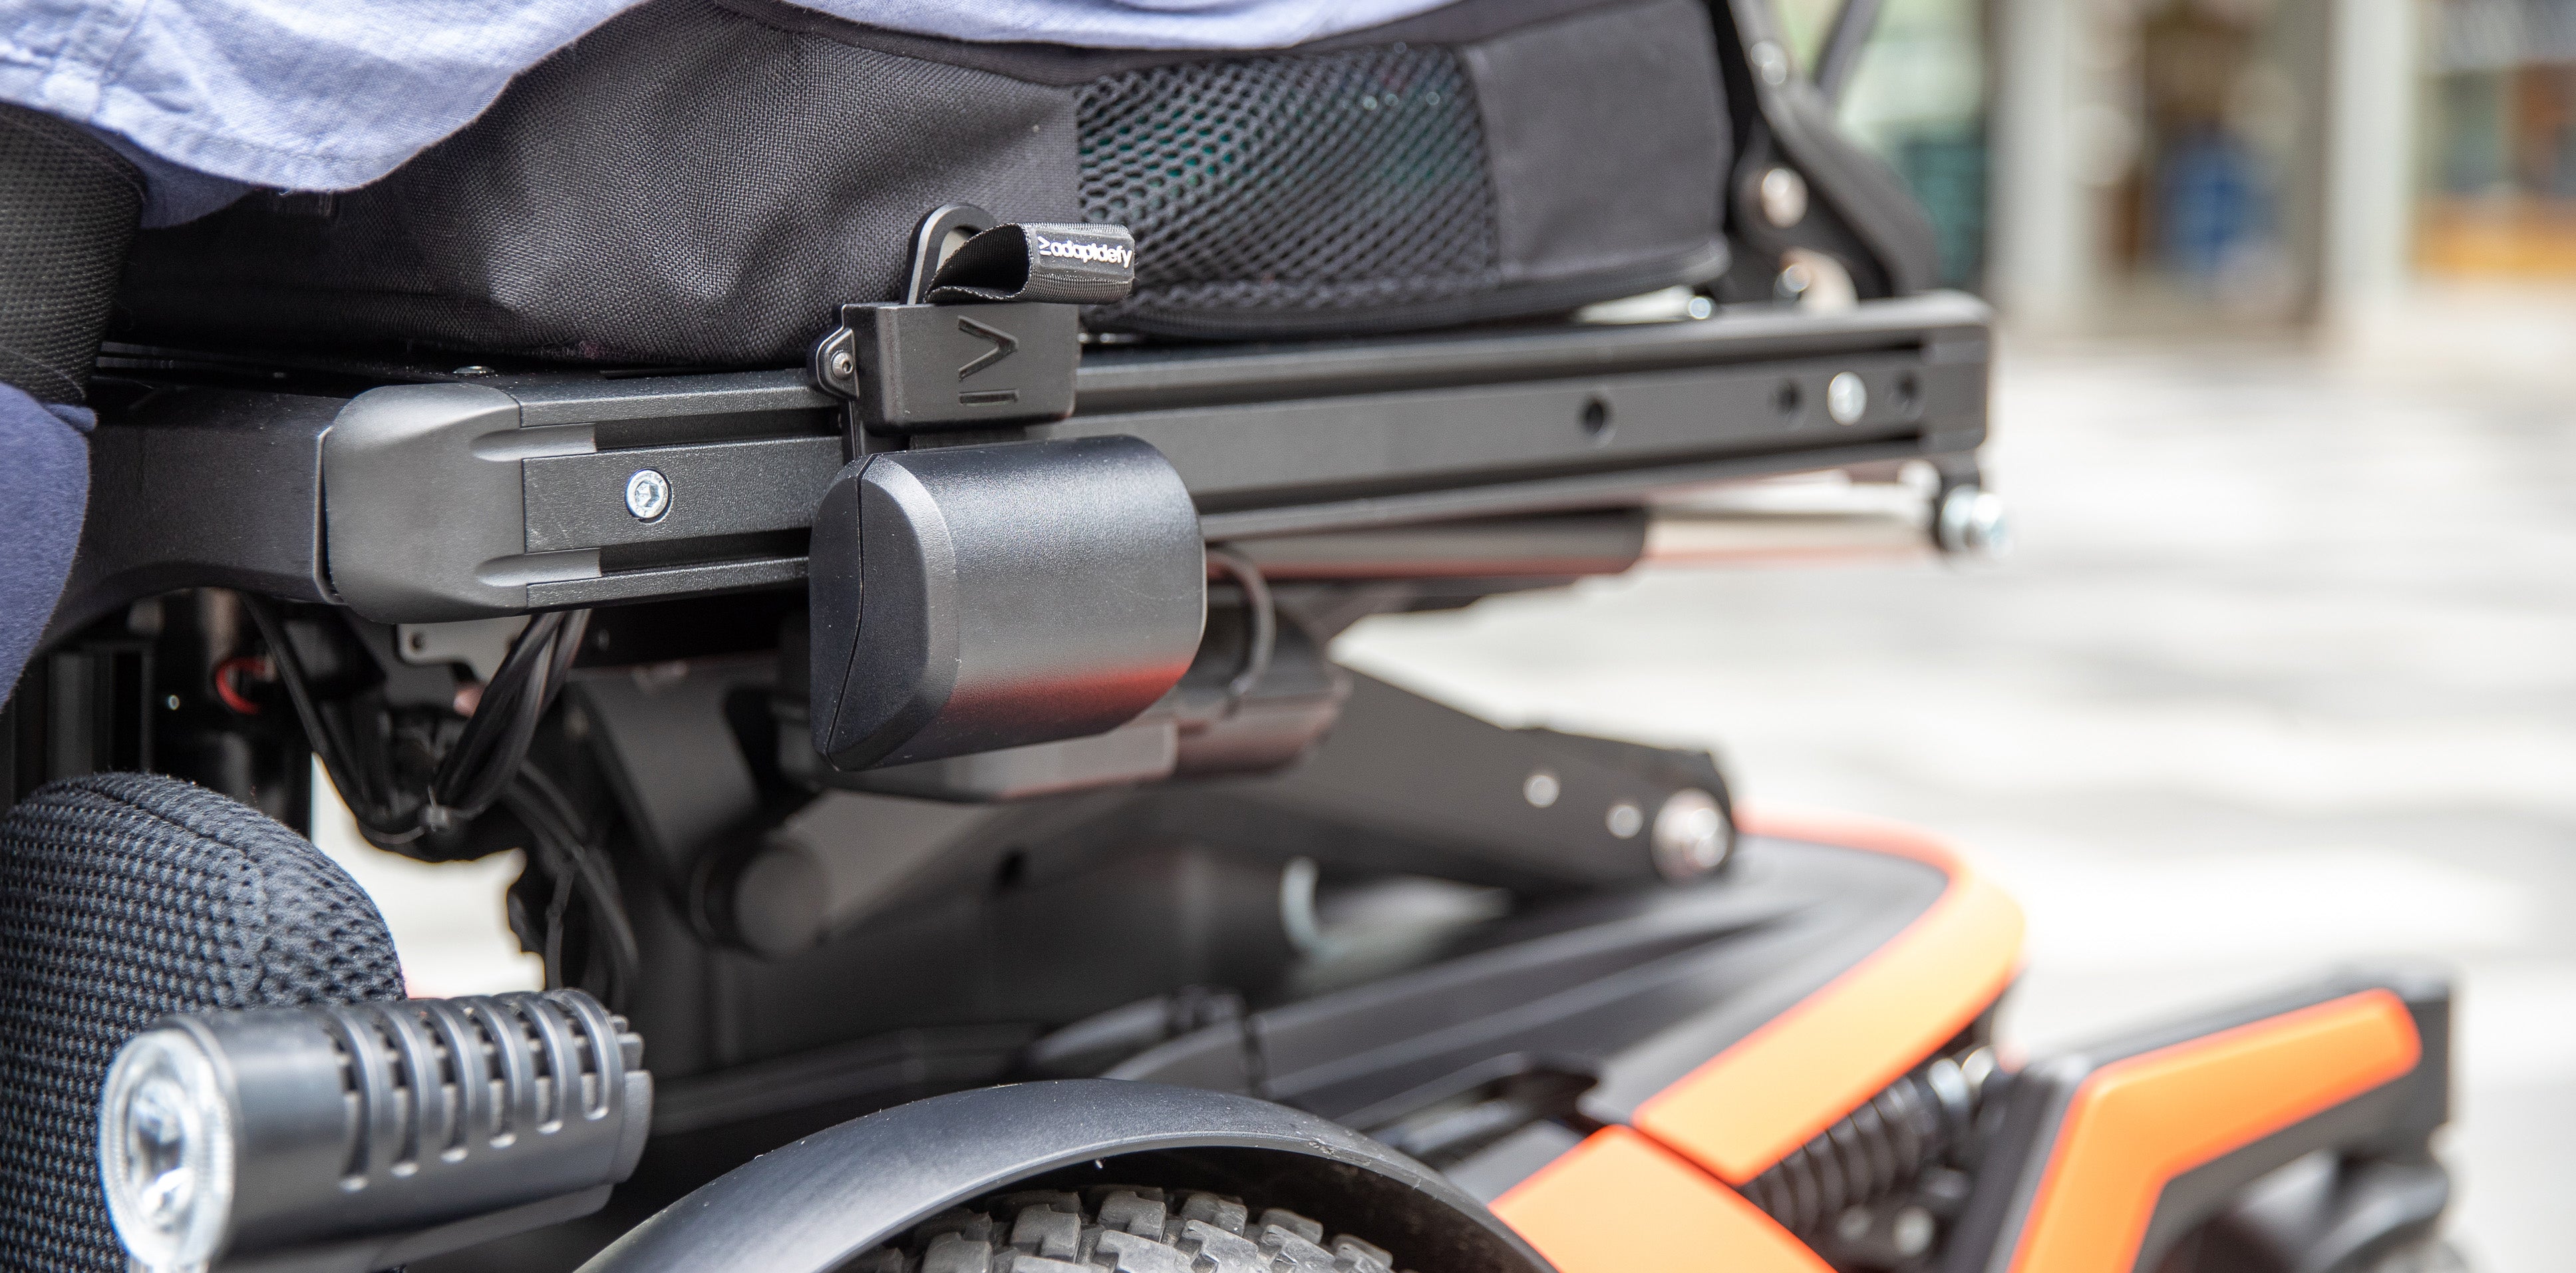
988,333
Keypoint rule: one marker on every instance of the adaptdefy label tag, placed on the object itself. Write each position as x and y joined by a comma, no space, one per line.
1050,264
1089,250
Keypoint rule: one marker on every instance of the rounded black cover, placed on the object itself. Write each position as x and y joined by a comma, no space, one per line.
123,898
815,1204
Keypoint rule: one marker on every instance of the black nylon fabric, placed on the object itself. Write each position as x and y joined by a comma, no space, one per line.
685,185
124,897
68,208
701,183
1329,181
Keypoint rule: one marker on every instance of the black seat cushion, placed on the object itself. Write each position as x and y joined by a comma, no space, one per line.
124,897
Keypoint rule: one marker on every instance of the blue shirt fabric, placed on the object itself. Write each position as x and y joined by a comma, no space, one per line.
332,94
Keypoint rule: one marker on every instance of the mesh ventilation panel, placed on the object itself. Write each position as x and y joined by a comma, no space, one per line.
1317,182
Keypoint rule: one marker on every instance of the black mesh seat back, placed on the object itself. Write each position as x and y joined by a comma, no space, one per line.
1349,180
124,897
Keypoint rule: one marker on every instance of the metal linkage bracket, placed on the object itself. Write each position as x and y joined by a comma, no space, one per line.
988,332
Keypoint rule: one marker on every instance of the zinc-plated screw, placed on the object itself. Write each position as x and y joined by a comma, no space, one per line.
1540,789
648,495
843,363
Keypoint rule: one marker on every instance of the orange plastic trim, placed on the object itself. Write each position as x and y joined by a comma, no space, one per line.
1779,1086
2136,1123
1619,1203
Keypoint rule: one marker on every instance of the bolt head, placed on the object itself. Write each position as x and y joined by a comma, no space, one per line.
1846,398
1541,789
844,363
1783,196
1912,1231
1853,1224
1771,62
1973,522
1795,278
1625,820
648,495
1691,836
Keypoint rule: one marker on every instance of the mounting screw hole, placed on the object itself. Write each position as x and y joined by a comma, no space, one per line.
1790,399
1596,417
1909,391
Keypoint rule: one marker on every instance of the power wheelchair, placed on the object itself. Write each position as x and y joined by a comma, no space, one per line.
929,760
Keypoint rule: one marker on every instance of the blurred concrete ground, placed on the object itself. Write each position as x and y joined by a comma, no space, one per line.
2283,675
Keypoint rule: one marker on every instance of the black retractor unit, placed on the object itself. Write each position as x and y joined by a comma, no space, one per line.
969,594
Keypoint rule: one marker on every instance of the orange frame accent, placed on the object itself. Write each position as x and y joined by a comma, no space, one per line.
1620,1203
1778,1087
2139,1122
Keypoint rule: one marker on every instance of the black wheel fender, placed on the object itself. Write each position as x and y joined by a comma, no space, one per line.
811,1206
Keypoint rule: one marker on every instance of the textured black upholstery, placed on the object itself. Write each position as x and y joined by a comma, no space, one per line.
124,897
68,208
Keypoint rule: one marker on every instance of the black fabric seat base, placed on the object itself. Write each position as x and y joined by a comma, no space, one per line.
700,183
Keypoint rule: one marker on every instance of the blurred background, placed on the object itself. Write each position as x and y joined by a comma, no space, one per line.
2284,672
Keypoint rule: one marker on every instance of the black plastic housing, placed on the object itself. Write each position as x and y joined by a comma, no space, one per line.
971,598
962,366
487,496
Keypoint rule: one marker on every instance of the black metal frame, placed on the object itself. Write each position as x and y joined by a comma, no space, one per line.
429,502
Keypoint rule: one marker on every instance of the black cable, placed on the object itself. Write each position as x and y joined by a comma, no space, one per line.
579,867
488,755
487,764
1263,614
381,823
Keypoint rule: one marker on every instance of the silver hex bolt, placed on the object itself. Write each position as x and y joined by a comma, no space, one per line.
648,495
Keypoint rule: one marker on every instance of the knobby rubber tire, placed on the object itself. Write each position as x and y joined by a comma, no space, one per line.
1121,1229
